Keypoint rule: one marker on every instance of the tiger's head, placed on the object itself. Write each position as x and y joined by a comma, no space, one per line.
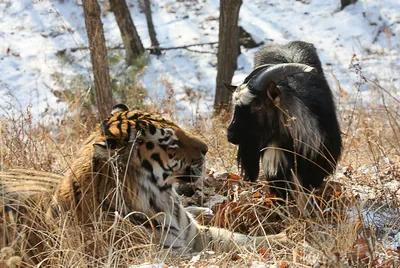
151,146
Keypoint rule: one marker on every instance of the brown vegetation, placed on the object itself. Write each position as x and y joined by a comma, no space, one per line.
345,224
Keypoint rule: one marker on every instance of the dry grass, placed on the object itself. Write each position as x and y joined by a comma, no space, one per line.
64,244
347,223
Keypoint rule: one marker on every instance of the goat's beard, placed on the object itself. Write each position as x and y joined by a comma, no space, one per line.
248,158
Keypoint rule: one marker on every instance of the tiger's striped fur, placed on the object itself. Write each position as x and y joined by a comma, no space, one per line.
33,182
128,166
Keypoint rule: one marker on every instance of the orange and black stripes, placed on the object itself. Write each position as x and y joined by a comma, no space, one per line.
128,165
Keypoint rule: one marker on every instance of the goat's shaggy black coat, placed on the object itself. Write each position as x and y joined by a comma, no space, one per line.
304,123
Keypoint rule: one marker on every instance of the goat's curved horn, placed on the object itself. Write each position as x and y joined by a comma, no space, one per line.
276,73
256,71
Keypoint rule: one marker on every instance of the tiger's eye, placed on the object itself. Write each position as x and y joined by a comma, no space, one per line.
140,142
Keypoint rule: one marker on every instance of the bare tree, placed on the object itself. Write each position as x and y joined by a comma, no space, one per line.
130,37
98,54
227,50
152,33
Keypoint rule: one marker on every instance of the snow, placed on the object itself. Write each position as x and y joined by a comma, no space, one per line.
257,264
396,244
34,31
158,264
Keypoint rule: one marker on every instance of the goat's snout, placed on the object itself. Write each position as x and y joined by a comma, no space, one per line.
233,133
238,125
232,138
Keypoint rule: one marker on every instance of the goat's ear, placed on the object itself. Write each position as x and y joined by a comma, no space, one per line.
273,93
229,87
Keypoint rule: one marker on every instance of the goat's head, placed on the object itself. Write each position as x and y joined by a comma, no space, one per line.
256,117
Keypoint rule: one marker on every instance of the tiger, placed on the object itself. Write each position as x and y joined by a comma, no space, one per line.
128,166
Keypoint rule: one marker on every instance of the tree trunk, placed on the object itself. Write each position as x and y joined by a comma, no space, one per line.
130,37
227,51
152,33
345,3
98,54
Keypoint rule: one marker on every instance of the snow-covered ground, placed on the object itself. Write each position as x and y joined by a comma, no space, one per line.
33,31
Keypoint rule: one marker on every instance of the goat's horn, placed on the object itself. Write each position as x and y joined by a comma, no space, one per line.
277,73
256,71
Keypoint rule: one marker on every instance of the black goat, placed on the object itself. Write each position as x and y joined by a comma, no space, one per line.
285,115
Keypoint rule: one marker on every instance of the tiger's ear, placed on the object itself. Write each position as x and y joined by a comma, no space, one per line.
119,108
106,144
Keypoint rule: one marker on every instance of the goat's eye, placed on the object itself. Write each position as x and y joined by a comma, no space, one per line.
256,108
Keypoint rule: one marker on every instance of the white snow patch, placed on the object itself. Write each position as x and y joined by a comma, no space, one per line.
257,264
151,265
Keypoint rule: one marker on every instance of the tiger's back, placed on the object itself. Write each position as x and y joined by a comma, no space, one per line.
17,182
21,189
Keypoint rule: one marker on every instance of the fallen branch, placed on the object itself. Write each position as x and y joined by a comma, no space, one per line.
201,52
187,46
150,48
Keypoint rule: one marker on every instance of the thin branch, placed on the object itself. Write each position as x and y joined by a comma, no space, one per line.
200,51
74,49
182,47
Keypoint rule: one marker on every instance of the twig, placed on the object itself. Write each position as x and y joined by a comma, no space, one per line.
74,49
380,87
187,46
201,52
